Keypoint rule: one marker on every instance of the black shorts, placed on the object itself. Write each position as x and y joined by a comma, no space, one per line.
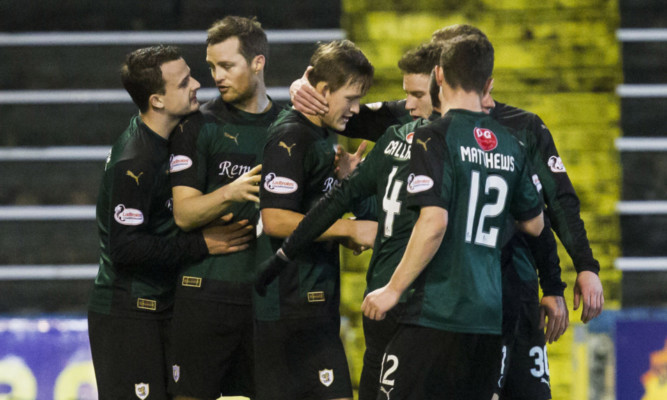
377,335
428,364
301,359
212,349
525,370
130,356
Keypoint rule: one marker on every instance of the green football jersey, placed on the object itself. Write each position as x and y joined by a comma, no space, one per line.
141,246
385,171
472,166
212,149
298,170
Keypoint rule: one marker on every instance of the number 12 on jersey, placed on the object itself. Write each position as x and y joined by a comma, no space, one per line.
487,238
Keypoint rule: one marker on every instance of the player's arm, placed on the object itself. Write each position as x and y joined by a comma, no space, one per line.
194,209
132,244
434,166
563,210
424,242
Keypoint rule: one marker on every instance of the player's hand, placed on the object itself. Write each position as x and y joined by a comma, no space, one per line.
305,98
345,162
378,302
554,310
362,236
245,187
588,288
222,237
267,273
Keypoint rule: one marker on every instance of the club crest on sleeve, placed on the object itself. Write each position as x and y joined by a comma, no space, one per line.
419,183
486,139
176,372
179,163
128,216
279,184
326,377
142,390
556,164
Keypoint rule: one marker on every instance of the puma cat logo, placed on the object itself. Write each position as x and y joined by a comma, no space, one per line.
423,143
386,392
133,176
234,138
286,147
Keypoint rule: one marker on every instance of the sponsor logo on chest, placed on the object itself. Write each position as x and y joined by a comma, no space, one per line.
231,170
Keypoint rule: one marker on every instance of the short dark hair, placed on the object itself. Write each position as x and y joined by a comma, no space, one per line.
141,73
421,60
340,62
252,38
456,30
467,62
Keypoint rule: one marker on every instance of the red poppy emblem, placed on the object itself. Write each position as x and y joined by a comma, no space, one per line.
486,139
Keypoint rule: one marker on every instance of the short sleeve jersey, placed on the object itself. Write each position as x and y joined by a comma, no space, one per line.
211,149
297,171
470,165
141,246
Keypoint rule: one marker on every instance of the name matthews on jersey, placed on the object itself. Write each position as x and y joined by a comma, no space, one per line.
487,159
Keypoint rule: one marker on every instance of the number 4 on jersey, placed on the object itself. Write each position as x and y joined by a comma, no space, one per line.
390,203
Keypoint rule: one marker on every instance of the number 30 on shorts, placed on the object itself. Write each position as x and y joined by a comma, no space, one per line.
539,355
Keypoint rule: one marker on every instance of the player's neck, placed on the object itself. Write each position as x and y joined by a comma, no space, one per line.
258,103
460,99
159,123
315,119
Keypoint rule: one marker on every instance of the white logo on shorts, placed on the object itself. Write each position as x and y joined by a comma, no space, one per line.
141,390
176,372
385,391
326,377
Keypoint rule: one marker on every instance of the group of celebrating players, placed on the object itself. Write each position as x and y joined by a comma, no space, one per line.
220,228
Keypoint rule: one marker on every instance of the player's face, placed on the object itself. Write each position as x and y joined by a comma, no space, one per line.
418,100
234,77
180,97
343,104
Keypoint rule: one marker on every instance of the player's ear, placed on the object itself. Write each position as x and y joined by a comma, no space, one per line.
156,101
439,75
323,88
257,64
